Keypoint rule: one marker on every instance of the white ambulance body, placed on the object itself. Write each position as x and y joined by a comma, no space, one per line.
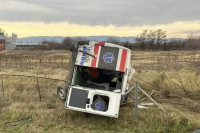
102,94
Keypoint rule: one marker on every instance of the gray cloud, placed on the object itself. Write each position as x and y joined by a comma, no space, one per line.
191,31
101,12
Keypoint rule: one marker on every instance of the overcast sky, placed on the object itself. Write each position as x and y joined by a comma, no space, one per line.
118,13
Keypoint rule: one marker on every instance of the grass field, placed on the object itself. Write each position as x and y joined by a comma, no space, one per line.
174,76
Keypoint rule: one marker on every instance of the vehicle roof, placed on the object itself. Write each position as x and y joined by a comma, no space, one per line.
107,44
104,55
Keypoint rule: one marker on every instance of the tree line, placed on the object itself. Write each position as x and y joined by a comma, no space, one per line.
148,40
2,32
157,40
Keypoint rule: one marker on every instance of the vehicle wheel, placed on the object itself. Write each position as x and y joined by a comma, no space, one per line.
62,92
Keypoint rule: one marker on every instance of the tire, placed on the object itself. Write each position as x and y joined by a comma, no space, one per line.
62,92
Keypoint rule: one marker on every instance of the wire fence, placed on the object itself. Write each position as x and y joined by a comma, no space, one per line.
23,97
28,60
32,63
26,89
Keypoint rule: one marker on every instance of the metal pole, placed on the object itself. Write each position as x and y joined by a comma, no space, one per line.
157,104
136,101
38,87
130,89
86,53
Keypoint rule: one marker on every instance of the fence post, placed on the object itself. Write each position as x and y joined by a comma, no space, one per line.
38,87
2,88
136,101
1,101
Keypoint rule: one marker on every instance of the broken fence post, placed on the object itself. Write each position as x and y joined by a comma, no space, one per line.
130,89
156,103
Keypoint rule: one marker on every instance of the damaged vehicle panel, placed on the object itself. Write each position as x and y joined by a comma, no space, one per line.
98,78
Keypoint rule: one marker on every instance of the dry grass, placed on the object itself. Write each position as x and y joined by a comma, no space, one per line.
174,76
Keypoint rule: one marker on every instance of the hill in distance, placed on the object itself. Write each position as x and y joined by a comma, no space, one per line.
59,39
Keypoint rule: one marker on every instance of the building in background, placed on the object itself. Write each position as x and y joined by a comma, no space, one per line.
2,42
28,45
11,43
17,46
10,46
14,38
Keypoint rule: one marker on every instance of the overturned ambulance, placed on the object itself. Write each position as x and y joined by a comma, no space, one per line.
98,78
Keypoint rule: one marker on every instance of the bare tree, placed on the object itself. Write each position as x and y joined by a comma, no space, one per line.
112,40
160,37
192,42
141,40
151,39
68,42
2,31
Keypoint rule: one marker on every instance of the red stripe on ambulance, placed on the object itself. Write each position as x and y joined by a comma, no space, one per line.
100,43
94,60
96,51
123,60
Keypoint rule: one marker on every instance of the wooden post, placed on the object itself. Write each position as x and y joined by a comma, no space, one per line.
2,88
136,101
0,96
1,101
38,87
